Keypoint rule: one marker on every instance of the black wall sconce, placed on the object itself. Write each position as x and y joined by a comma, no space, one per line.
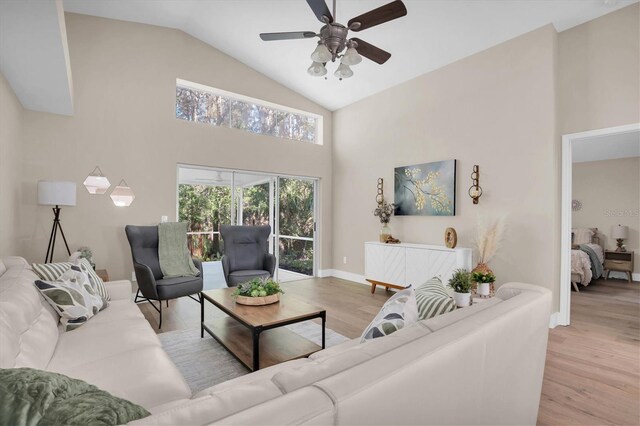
475,191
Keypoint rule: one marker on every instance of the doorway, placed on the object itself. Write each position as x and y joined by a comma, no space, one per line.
211,197
569,143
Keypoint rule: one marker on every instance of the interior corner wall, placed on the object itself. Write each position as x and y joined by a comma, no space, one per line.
496,109
124,78
609,191
598,72
11,133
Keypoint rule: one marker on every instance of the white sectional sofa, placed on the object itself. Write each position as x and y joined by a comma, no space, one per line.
478,365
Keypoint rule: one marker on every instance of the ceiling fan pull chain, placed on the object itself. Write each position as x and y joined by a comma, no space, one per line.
334,10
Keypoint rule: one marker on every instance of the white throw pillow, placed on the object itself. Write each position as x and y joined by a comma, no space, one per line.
398,312
582,235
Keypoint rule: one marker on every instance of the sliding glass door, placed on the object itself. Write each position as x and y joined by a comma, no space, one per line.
208,198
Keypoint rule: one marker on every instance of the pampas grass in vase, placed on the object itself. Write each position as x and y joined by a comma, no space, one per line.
489,236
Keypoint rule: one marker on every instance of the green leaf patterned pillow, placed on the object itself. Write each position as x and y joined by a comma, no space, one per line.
433,300
53,271
398,312
73,297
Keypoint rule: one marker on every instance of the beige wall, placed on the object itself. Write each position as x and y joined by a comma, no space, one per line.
124,96
11,114
495,109
599,72
610,194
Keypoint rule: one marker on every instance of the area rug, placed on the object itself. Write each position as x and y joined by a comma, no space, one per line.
204,362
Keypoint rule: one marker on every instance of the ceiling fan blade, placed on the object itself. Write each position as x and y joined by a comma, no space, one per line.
386,13
371,52
320,9
287,36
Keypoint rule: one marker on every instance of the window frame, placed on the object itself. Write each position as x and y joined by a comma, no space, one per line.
319,140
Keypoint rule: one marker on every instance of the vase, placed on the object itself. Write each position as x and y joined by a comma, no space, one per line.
462,299
484,289
385,232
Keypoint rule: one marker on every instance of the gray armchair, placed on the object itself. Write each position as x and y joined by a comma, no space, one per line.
146,264
246,253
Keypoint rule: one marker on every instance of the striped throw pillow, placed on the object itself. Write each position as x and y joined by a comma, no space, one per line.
432,299
53,271
72,296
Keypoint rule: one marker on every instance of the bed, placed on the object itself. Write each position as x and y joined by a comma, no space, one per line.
587,256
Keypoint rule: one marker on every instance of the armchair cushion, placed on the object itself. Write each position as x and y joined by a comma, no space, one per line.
239,277
174,287
245,246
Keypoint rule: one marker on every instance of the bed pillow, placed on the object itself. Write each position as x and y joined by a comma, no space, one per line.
582,235
398,312
35,397
73,297
433,300
53,271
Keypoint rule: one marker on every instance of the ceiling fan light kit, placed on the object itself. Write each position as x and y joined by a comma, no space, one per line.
334,38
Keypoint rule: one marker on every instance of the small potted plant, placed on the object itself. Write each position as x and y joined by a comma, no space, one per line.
461,284
484,281
258,291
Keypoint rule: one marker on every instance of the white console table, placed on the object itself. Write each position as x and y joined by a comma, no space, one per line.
400,265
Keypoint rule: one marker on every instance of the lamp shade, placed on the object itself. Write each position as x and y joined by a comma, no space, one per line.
317,69
620,232
56,193
321,54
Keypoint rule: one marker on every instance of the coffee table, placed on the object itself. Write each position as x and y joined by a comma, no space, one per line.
256,335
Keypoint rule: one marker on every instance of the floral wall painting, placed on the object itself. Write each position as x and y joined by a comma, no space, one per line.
427,189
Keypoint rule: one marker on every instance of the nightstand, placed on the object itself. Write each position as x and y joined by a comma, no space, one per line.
103,274
621,261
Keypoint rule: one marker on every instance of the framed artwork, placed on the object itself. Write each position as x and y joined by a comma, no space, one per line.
427,189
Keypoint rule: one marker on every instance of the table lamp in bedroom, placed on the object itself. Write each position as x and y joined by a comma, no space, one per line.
620,233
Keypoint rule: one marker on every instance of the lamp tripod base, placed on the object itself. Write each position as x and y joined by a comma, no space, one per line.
54,232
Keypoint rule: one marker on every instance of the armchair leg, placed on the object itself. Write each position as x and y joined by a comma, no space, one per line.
137,296
160,324
167,303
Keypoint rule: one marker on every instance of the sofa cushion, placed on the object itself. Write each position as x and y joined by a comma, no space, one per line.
433,300
213,407
322,367
398,312
145,375
335,349
28,324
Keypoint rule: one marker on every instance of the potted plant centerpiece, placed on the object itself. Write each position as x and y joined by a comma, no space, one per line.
384,212
258,291
461,284
484,280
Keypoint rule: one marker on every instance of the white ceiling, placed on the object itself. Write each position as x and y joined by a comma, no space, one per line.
608,147
432,35
34,56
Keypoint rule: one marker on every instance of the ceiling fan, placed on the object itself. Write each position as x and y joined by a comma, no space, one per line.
334,37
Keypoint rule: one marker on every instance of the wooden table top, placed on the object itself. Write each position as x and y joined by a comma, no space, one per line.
287,309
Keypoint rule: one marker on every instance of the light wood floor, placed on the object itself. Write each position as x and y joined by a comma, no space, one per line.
592,374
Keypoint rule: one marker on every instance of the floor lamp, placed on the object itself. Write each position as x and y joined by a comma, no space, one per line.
56,193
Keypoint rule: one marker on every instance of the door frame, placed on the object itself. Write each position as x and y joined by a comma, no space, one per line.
567,187
317,181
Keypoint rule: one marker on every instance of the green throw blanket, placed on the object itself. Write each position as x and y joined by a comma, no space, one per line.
173,253
597,268
35,397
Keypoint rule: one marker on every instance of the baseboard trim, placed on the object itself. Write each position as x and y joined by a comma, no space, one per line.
324,273
349,276
554,320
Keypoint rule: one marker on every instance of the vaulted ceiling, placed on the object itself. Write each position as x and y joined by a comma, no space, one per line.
432,35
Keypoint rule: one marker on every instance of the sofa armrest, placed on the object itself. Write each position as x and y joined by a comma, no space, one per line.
119,290
198,264
225,268
270,263
13,261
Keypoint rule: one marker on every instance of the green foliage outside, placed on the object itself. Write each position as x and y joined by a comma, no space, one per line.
205,208
257,287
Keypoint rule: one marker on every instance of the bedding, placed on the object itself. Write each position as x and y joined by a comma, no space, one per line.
587,263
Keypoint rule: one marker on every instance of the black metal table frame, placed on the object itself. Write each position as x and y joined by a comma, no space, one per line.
255,331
